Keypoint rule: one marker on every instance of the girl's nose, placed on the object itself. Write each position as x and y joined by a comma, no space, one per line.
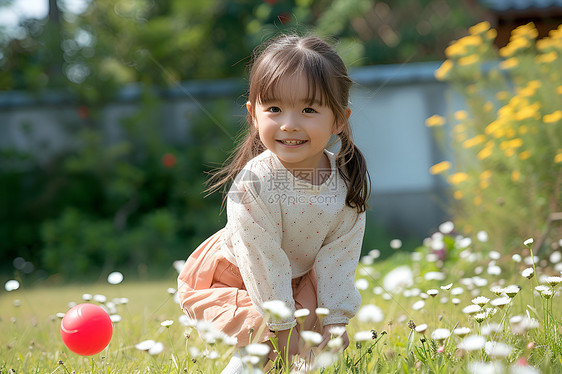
290,123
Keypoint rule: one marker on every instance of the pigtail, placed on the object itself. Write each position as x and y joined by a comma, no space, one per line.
352,167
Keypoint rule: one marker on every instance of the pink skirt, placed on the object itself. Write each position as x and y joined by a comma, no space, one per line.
210,288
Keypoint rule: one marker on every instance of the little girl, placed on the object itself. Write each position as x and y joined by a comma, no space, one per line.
296,212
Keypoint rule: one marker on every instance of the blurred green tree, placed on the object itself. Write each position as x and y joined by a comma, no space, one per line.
113,42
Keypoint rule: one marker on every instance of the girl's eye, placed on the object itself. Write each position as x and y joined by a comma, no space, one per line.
274,109
308,110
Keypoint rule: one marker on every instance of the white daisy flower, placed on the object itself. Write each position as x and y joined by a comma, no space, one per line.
115,278
517,258
434,275
482,236
555,257
336,331
433,292
322,312
490,328
277,309
500,302
257,349
447,287
179,265
457,291
11,285
145,345
529,242
553,281
480,317
421,328
461,331
418,305
528,273
472,343
361,284
157,348
472,309
440,334
494,270
495,367
396,244
370,313
497,349
480,300
167,323
447,227
398,279
512,290
325,359
363,336
312,338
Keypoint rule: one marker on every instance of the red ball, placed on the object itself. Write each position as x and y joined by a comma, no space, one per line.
86,329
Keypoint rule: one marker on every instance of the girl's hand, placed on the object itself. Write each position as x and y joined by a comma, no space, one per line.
326,336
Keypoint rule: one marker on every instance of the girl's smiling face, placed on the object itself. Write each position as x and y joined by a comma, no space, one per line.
294,127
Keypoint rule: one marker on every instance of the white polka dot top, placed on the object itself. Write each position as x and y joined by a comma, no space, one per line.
280,227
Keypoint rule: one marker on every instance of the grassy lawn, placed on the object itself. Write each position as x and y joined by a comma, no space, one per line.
410,322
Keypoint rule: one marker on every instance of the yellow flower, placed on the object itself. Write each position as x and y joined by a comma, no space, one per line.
461,115
484,184
440,167
546,43
443,71
510,144
529,89
478,200
478,139
458,195
524,155
509,152
457,178
468,60
471,40
491,34
486,174
479,28
510,63
559,90
515,175
435,120
547,58
529,111
527,30
553,117
456,49
484,153
558,158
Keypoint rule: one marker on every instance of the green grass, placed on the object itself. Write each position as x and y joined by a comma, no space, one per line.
31,340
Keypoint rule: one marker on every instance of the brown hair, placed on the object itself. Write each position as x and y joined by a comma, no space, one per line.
326,73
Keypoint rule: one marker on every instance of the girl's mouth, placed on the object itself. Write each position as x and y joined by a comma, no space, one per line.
292,142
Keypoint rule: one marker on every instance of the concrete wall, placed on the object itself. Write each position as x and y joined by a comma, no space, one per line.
389,106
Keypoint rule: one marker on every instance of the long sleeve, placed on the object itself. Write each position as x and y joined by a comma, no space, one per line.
255,237
335,267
